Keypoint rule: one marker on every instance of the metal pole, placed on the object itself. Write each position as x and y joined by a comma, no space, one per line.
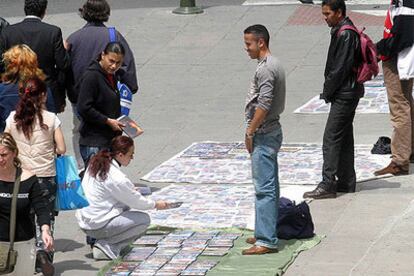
188,7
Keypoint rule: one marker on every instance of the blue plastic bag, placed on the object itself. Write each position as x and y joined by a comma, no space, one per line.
69,195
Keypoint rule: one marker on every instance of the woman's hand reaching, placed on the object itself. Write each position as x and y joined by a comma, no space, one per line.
161,205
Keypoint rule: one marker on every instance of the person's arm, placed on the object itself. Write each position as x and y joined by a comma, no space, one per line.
392,45
88,94
39,204
47,237
59,141
258,118
265,83
124,191
343,65
50,102
61,56
8,122
128,71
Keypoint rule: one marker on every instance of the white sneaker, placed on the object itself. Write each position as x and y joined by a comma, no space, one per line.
102,251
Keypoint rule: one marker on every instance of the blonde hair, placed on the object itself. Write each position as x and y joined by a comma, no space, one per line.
8,141
21,64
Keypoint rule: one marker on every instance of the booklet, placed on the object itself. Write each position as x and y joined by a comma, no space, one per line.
131,128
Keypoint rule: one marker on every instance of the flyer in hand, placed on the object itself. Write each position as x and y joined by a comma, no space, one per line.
131,128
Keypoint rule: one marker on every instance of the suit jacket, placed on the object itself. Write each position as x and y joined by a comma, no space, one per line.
46,41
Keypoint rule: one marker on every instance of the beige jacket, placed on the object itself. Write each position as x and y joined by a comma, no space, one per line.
38,153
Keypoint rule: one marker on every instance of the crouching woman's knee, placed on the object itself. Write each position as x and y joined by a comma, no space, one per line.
145,219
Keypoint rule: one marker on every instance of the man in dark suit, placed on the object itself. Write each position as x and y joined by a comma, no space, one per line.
46,41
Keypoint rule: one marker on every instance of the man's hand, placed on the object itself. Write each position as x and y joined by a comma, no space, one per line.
115,124
248,140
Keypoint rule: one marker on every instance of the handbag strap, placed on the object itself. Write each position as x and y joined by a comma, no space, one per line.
13,207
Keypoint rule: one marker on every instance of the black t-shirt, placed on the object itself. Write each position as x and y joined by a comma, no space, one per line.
30,196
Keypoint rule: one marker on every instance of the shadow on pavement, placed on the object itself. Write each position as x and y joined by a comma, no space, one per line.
66,266
65,245
374,185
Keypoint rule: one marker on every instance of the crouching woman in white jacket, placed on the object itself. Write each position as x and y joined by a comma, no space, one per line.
109,218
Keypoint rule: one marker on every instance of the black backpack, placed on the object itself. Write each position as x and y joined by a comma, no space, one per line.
294,221
382,146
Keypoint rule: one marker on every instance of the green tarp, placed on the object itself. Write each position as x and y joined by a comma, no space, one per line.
260,265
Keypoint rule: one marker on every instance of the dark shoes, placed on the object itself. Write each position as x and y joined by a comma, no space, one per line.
393,169
306,1
251,240
44,264
258,250
319,193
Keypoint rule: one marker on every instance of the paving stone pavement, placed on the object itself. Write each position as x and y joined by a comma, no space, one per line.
194,76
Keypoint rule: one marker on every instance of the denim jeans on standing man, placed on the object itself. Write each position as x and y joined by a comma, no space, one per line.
266,181
87,152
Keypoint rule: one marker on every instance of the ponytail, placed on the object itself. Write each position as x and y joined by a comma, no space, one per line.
30,106
100,163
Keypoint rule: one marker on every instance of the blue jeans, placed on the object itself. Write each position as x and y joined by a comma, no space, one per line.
266,181
87,152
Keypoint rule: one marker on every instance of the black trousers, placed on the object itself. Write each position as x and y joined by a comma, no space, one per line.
338,172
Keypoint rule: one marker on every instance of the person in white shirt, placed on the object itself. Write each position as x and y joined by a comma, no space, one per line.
112,217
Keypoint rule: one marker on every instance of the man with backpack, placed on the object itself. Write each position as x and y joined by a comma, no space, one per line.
343,91
397,54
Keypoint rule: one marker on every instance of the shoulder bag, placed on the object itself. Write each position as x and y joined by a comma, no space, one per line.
8,256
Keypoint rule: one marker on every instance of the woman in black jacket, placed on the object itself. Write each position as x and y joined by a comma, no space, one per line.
99,102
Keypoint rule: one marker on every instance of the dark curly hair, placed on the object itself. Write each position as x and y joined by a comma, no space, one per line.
335,5
100,163
35,7
30,106
95,11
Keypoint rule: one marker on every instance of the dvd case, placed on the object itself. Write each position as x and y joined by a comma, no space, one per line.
131,128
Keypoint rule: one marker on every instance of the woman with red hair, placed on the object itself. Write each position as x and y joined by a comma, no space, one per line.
20,65
109,218
39,138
